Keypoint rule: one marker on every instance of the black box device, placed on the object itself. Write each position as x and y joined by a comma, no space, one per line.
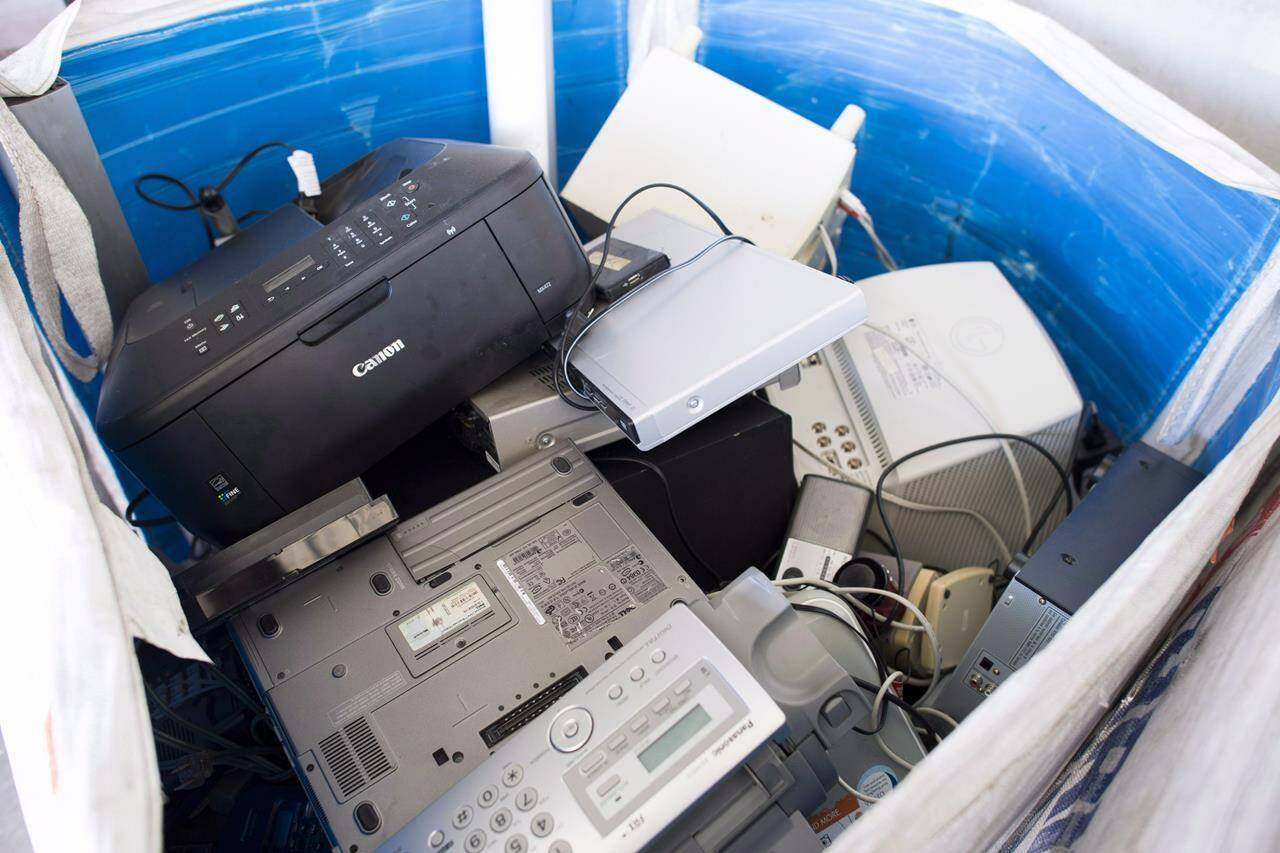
1115,517
293,357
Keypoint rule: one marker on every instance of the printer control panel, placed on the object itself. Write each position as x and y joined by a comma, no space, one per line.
323,262
616,759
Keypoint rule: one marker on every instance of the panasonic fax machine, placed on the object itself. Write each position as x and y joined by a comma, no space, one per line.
288,360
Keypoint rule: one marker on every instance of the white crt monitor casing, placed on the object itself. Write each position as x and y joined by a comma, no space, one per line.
699,338
867,400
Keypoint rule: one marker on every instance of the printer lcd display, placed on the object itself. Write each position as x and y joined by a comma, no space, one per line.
279,279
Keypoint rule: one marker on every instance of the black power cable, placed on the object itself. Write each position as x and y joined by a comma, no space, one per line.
882,669
144,522
671,504
209,198
989,436
581,311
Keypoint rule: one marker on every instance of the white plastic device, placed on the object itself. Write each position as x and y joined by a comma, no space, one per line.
689,343
868,400
616,759
714,139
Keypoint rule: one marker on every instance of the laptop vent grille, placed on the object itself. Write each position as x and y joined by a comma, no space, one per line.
355,758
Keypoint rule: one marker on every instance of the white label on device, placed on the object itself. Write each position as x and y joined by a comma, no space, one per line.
519,588
904,375
814,561
443,615
304,170
877,782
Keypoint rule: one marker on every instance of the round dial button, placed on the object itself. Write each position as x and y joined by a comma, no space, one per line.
571,729
475,841
501,820
512,775
542,824
517,844
560,846
526,799
462,817
488,796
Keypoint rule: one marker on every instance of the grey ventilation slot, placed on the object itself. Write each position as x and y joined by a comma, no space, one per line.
354,757
853,384
544,373
368,750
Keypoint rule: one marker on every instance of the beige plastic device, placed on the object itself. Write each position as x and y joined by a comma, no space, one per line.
956,603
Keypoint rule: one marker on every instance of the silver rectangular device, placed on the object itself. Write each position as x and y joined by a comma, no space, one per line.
616,760
687,344
1022,623
521,414
394,671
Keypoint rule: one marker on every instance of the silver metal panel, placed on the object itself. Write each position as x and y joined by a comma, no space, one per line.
521,414
446,533
699,338
301,540
1019,626
616,760
391,697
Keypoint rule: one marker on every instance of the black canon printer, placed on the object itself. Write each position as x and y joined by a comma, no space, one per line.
291,358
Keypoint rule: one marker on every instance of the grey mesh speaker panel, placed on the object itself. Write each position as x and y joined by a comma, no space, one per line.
984,484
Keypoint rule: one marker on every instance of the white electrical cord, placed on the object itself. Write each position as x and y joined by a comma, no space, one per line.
825,237
941,715
875,715
866,798
853,206
1014,467
1001,546
848,593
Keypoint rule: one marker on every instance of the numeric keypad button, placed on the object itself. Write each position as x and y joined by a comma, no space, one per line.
542,824
526,799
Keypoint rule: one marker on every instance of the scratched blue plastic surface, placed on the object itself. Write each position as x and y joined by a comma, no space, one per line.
336,77
972,149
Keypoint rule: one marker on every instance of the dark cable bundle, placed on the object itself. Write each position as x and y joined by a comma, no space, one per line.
1064,488
213,208
584,313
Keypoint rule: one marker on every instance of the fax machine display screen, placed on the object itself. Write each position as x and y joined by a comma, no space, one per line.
674,738
443,615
